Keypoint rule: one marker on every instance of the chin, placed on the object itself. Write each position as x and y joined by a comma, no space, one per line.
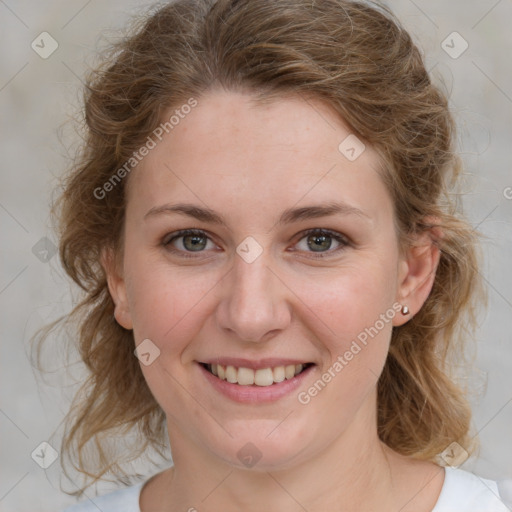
264,447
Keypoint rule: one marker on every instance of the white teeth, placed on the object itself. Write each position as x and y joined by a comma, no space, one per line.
262,377
289,371
279,374
231,374
246,377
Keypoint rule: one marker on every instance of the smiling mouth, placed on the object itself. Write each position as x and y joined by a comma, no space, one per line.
261,377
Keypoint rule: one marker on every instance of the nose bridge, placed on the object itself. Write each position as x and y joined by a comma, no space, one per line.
253,303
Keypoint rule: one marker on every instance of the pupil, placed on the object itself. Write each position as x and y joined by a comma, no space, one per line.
197,242
322,241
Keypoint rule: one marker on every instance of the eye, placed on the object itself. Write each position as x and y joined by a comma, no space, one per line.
321,241
188,240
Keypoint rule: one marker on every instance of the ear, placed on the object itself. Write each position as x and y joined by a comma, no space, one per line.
117,288
417,271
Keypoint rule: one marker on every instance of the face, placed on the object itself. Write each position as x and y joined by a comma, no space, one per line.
253,242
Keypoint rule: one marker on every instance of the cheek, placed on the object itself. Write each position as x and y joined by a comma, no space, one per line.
166,303
351,316
350,312
342,303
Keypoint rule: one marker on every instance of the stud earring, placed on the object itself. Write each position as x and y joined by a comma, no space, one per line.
405,310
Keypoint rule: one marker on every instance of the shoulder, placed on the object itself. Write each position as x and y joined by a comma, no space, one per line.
465,492
125,500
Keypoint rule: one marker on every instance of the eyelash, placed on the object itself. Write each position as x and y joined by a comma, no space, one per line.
341,239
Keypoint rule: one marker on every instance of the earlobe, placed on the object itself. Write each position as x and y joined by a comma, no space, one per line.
117,289
417,275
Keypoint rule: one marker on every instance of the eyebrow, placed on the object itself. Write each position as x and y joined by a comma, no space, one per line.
287,217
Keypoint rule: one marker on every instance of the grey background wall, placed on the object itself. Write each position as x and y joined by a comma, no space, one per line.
39,90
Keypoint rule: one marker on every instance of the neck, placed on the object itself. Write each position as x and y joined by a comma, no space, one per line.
352,472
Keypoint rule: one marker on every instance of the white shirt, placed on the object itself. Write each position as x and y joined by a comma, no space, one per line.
461,492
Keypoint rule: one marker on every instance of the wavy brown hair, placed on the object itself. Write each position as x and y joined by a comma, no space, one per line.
356,57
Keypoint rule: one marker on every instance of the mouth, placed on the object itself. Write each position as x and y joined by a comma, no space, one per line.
261,377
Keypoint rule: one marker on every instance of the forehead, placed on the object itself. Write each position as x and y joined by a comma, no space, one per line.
234,151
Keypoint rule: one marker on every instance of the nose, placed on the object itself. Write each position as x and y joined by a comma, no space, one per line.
253,304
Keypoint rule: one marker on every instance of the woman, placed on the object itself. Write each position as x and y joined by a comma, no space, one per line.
261,211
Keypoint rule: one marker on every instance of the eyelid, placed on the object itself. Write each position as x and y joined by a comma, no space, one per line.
335,234
169,237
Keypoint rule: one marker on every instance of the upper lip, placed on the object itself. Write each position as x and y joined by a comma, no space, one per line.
270,362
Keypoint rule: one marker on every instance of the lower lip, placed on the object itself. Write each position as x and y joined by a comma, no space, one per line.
258,394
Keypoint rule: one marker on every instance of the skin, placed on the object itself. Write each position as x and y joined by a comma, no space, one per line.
249,163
